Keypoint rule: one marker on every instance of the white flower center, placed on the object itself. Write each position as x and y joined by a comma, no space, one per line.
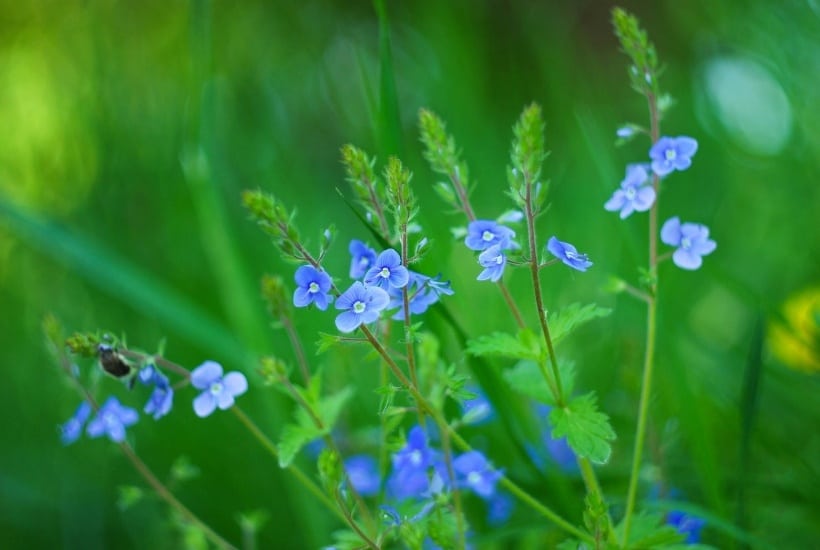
415,457
487,236
359,307
670,154
216,388
473,478
110,419
385,272
313,288
576,256
685,243
499,259
631,192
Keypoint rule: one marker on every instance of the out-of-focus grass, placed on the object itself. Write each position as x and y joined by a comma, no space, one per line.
108,222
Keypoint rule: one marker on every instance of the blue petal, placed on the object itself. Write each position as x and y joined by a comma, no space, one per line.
206,374
348,321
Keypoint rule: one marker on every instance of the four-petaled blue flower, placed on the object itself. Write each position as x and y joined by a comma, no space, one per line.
162,398
73,427
361,304
633,194
482,234
387,271
493,260
412,476
313,286
692,241
363,474
690,526
568,254
218,390
475,473
363,257
670,154
111,420
423,291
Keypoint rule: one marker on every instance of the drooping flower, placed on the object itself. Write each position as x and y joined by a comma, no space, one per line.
312,287
493,260
111,420
475,473
692,242
691,526
361,304
633,194
422,291
218,390
670,154
482,234
363,474
387,271
72,429
568,254
363,257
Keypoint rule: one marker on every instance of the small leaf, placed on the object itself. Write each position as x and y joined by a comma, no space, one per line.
587,430
293,438
563,322
648,530
523,346
129,496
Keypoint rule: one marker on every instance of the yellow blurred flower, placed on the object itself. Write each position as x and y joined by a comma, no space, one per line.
795,339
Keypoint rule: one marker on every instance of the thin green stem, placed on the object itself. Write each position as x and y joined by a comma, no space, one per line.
296,344
651,322
519,320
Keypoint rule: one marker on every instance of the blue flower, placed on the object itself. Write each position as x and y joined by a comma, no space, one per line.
361,304
363,258
568,254
690,526
73,427
363,474
625,131
387,271
423,291
493,260
633,194
411,475
670,154
499,508
561,452
482,234
313,286
478,409
691,239
218,390
475,473
111,420
162,398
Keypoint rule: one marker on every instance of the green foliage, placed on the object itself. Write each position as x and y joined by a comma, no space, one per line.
441,152
636,44
526,158
442,528
596,517
524,345
346,539
587,430
648,530
128,496
330,469
276,296
527,378
183,469
563,322
369,189
84,344
274,219
399,193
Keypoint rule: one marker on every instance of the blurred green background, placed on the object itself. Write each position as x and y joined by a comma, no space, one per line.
130,129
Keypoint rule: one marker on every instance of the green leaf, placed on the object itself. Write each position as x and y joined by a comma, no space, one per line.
587,430
293,438
331,406
523,346
648,530
563,322
526,378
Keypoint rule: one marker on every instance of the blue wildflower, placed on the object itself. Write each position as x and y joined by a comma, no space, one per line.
475,473
692,241
73,427
423,291
493,260
687,525
561,452
218,390
111,420
670,154
162,398
361,304
394,519
411,475
568,254
500,508
633,194
363,257
625,132
478,409
387,271
312,287
363,474
482,234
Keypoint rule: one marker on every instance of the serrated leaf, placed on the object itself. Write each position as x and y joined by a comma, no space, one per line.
648,530
326,342
503,344
331,406
563,322
587,430
293,438
346,540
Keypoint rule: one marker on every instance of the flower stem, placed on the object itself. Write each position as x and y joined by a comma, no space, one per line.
651,315
296,344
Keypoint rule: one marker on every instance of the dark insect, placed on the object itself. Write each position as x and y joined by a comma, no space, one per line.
113,363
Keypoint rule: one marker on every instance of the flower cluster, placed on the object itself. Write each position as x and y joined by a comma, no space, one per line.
112,418
638,191
383,280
